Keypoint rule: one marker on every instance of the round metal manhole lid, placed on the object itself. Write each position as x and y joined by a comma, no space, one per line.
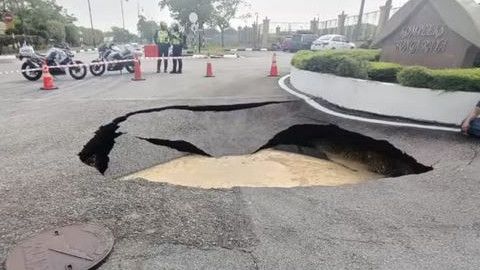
76,247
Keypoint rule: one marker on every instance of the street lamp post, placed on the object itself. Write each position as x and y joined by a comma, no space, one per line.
255,38
91,24
123,15
359,23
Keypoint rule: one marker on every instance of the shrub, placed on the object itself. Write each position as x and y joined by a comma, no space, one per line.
446,79
300,59
360,54
364,64
323,63
347,63
383,72
415,77
456,79
351,67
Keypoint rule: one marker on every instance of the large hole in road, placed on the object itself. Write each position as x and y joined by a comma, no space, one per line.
302,155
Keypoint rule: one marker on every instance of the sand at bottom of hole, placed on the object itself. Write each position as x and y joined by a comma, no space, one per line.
268,168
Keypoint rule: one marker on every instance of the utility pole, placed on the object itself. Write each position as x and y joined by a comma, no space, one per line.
91,24
359,23
255,39
123,15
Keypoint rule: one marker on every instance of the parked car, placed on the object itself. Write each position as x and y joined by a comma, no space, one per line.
302,42
276,46
332,42
287,44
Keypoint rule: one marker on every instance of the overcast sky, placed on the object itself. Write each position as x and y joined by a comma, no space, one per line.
107,13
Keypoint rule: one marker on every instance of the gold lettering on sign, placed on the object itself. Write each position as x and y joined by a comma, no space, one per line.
422,39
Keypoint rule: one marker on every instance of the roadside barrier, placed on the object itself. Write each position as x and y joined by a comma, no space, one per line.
7,72
50,85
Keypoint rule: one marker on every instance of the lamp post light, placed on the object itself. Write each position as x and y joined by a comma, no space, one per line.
123,15
91,24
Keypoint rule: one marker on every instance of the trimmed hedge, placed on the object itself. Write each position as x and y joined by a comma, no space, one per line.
364,64
383,71
347,63
448,79
415,77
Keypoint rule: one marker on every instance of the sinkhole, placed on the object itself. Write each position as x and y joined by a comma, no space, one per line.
302,155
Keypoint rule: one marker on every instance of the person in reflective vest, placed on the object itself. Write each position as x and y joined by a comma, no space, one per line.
176,39
162,39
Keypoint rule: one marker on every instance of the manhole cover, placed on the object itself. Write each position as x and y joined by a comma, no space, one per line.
77,247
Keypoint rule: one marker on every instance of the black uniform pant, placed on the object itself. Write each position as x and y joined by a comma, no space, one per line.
177,52
163,52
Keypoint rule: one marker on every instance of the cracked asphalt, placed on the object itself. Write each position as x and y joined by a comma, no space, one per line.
427,221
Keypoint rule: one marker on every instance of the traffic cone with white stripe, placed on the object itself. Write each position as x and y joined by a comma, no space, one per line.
48,82
138,70
274,68
209,70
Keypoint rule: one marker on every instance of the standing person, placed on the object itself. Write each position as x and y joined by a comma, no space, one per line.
162,39
176,39
471,125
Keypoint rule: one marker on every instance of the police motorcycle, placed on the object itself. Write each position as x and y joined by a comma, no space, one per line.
111,53
59,55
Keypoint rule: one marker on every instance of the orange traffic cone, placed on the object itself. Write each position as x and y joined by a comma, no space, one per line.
48,83
209,70
138,70
274,68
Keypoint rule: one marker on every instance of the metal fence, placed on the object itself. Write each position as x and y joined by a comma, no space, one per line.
288,27
367,31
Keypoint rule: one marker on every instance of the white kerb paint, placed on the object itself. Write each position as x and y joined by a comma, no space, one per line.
386,98
328,111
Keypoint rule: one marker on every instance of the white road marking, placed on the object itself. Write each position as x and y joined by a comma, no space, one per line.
319,107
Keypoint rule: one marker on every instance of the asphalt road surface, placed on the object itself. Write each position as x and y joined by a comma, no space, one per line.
427,221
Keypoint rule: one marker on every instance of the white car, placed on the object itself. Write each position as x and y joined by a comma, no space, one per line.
331,42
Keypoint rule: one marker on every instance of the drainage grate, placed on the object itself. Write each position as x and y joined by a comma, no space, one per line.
77,247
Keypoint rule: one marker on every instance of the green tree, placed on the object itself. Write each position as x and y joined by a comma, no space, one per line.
181,9
55,30
72,34
121,35
39,17
223,13
146,28
90,37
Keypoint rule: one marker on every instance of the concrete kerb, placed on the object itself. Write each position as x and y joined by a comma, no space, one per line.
248,50
310,101
228,56
386,99
7,57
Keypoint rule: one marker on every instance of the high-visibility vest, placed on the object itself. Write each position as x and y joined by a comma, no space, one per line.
162,36
175,39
